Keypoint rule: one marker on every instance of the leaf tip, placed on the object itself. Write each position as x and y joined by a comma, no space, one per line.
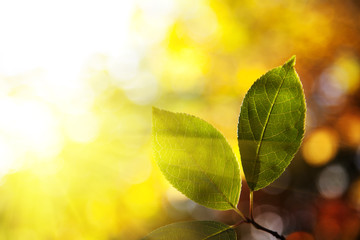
291,61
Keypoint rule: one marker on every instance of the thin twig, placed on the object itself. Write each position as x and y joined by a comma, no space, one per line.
258,226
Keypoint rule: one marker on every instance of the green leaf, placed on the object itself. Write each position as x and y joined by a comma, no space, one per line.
271,125
203,230
196,159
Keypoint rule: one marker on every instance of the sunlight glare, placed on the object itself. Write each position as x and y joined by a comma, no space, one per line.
82,128
43,57
7,157
31,126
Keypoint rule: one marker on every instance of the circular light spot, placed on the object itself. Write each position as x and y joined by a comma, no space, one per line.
349,125
143,89
320,146
332,181
123,68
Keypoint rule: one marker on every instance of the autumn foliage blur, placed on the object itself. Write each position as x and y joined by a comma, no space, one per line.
76,95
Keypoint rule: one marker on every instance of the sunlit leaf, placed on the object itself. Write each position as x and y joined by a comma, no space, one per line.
196,159
203,230
271,125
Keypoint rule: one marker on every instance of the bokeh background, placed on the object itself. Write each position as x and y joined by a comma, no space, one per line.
78,80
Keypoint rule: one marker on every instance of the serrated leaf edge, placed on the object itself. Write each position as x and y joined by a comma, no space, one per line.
291,64
207,237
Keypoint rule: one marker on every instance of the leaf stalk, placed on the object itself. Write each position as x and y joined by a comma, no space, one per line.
251,206
240,214
252,221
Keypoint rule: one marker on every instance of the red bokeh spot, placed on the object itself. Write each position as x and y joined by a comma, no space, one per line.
300,236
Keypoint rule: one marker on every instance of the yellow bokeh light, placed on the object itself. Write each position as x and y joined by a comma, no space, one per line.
349,125
320,146
346,71
187,66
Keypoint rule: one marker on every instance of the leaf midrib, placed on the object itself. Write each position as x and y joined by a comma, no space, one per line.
266,123
227,200
213,183
217,233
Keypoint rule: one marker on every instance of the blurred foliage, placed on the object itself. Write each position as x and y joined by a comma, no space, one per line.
78,81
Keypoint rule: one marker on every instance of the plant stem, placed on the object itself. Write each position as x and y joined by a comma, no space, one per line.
251,207
251,220
237,224
255,224
258,226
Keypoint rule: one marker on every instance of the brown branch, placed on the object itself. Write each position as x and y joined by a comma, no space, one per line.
258,226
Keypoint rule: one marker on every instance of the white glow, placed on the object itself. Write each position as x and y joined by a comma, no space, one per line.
82,128
333,181
30,127
7,157
124,67
142,89
156,17
46,33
